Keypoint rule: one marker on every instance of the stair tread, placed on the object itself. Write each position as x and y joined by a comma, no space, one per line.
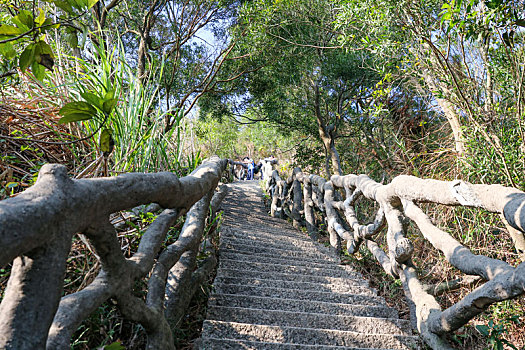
304,335
277,255
335,271
275,288
290,304
299,294
280,261
226,272
276,250
361,324
335,286
236,344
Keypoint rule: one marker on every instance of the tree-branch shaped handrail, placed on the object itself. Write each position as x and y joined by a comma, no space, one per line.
36,231
397,203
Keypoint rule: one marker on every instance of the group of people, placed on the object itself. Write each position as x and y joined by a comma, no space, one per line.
249,169
252,167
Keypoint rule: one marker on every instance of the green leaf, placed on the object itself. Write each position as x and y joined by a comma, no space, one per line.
38,70
92,3
109,105
71,37
106,142
49,22
47,61
24,18
110,95
92,99
63,5
114,346
41,47
7,50
27,57
79,4
483,329
75,117
6,29
520,22
78,107
44,54
40,19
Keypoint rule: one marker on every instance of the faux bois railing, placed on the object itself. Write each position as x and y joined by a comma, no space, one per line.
300,194
36,231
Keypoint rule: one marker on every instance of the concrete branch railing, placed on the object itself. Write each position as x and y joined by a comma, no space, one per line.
36,232
300,194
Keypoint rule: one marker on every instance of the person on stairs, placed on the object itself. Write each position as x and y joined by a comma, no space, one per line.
251,169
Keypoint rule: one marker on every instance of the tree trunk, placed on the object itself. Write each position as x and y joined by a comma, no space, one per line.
448,110
327,135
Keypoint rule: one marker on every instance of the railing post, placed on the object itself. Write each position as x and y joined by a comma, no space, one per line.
332,216
296,196
309,215
27,311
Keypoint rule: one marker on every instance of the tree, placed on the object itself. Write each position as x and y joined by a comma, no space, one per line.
455,51
299,77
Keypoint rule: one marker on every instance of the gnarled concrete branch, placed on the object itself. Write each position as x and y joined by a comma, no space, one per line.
309,215
397,200
454,252
335,227
426,307
505,285
38,225
400,248
278,194
27,311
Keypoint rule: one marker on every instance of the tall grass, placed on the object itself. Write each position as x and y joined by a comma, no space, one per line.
137,122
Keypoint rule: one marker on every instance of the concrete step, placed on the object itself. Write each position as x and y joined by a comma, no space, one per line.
235,344
348,286
295,335
260,237
282,245
274,246
247,273
292,259
361,299
369,325
232,255
278,229
270,239
295,305
303,247
311,255
335,271
266,229
260,215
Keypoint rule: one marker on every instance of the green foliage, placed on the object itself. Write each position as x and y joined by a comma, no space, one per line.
114,346
216,137
133,128
24,35
476,20
495,332
76,111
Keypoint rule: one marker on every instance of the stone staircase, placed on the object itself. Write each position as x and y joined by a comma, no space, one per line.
277,289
